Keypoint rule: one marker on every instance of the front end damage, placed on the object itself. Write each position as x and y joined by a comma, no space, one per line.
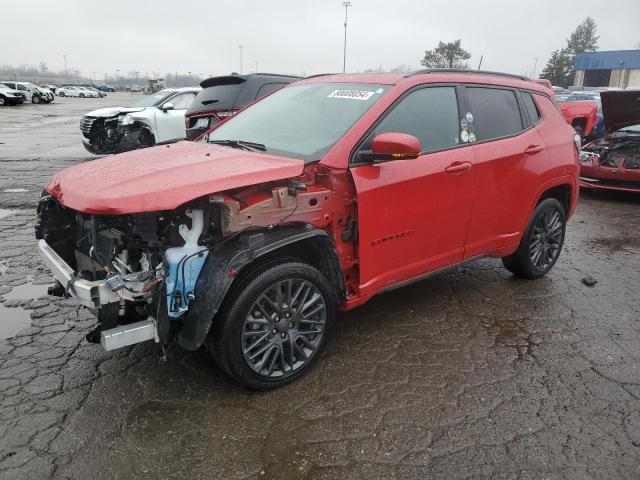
163,275
611,163
103,135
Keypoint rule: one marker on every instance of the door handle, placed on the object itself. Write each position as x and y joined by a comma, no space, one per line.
458,167
531,149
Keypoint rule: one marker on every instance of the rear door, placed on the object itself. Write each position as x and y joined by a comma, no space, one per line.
509,155
413,215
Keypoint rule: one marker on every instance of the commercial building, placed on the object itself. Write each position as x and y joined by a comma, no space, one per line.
616,68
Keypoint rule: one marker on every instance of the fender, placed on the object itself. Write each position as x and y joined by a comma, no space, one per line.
223,265
555,182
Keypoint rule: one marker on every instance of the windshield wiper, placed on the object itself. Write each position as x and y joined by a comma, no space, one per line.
240,144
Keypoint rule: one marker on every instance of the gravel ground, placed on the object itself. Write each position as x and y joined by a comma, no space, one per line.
469,374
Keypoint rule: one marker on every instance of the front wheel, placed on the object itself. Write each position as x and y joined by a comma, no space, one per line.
274,324
541,243
3,102
61,94
35,99
81,95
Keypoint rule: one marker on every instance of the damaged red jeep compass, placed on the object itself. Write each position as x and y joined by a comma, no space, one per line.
313,199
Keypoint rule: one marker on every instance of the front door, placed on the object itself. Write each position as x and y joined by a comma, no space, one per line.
170,123
413,215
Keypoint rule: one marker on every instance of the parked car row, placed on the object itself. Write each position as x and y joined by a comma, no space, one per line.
312,199
81,92
12,91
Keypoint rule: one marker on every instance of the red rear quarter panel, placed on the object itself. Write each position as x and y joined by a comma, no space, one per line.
564,164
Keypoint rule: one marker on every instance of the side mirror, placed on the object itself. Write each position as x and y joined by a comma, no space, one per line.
392,146
167,106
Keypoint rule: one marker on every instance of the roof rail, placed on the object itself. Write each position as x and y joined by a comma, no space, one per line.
468,72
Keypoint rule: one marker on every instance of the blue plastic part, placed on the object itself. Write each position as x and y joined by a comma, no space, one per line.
179,288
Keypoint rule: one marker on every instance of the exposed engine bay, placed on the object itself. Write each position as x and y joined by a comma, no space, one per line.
110,135
148,265
617,151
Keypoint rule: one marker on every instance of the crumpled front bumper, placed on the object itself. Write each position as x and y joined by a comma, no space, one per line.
91,294
94,295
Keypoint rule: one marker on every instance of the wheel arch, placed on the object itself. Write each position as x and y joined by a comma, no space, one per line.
233,260
562,193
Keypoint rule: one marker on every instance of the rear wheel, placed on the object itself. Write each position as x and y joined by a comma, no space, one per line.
274,325
61,94
541,243
81,95
35,99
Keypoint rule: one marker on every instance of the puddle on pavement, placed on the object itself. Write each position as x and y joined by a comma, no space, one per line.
14,319
618,244
26,291
5,213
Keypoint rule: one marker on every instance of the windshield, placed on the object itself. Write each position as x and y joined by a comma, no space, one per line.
301,121
155,99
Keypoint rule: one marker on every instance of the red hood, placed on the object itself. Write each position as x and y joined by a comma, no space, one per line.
620,109
164,177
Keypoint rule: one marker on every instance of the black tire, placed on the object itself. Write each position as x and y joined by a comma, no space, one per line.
541,243
81,95
61,94
145,138
235,322
3,102
36,99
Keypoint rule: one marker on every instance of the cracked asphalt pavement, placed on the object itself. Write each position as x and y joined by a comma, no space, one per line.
469,374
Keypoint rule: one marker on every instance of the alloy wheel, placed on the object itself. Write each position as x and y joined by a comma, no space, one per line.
546,239
284,328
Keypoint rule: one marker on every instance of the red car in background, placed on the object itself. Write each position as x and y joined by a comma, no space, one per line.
613,162
582,116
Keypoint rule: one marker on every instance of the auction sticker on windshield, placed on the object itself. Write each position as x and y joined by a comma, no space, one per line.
351,94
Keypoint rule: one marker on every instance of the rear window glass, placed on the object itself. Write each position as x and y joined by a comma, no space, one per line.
495,111
216,98
530,107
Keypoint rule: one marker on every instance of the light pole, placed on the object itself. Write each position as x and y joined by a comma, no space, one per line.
535,65
346,6
65,67
256,66
118,78
240,47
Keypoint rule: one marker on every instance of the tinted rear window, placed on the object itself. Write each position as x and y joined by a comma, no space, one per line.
495,111
218,97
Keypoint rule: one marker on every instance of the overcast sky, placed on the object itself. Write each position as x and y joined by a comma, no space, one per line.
297,36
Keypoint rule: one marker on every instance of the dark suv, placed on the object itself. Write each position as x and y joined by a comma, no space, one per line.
312,200
221,97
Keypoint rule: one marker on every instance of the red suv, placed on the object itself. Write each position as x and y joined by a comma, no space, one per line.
310,201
